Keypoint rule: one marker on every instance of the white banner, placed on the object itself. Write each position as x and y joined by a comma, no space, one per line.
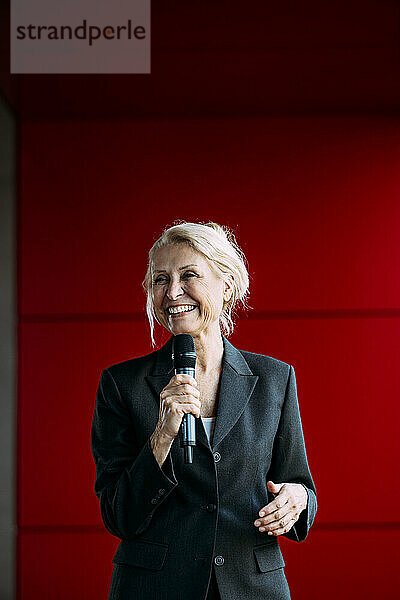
86,36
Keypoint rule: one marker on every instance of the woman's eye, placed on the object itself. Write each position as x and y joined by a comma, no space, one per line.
161,279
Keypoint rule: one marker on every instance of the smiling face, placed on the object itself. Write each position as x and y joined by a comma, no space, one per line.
188,294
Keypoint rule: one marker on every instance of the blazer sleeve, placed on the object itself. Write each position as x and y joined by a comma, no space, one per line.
129,482
289,459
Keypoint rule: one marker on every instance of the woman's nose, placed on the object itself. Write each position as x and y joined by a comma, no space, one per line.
174,289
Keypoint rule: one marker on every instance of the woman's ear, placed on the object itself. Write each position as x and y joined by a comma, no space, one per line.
228,290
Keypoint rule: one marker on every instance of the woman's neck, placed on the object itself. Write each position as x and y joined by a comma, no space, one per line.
209,350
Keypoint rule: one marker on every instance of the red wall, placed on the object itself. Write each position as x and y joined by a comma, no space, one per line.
315,205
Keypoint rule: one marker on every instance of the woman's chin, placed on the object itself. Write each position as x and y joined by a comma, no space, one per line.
177,328
184,325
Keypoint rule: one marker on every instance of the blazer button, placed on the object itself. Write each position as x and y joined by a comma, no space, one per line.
154,500
161,491
219,560
211,507
217,457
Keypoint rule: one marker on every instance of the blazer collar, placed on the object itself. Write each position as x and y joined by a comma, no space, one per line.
232,356
237,383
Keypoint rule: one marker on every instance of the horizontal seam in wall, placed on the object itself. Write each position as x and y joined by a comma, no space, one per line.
351,313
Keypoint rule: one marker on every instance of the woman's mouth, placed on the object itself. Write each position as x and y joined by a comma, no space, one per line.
173,311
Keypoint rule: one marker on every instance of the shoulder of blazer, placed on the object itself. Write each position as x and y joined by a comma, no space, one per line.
156,362
133,367
261,364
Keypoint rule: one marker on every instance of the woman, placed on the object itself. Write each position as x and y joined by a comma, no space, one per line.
206,530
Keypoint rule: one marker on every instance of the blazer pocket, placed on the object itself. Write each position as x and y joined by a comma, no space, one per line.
141,553
268,557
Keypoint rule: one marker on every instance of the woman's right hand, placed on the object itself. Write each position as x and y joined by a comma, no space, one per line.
180,396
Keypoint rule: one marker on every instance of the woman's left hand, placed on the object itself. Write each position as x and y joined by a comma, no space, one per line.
281,514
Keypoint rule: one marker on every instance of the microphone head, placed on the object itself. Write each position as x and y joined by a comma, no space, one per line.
183,352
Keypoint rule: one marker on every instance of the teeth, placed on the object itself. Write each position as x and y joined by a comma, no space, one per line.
174,310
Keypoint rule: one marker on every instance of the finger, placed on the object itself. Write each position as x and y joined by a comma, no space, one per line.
187,388
278,514
187,399
181,409
284,529
282,522
183,378
279,523
182,388
279,501
275,524
192,408
183,399
274,488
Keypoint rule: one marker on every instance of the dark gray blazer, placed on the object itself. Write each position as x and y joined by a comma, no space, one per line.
178,522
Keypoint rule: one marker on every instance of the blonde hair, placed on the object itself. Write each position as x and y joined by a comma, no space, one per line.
219,247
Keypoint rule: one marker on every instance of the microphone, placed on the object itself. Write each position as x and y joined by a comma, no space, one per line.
184,361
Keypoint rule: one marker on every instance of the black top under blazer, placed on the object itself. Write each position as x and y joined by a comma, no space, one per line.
179,521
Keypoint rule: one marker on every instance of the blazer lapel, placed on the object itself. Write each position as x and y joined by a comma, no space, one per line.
158,383
236,386
163,370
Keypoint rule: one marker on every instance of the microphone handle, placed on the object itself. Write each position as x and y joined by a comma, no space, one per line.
187,432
